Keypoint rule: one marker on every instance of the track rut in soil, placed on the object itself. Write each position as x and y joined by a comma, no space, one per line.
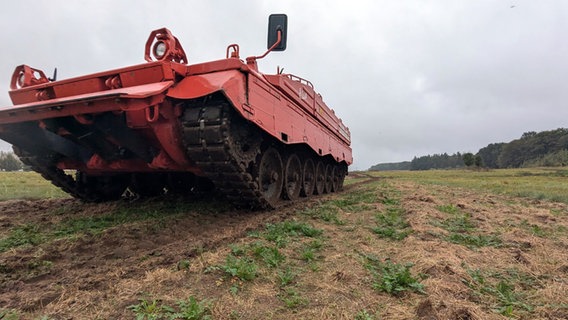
31,277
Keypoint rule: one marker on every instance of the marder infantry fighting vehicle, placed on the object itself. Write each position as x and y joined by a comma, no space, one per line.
167,126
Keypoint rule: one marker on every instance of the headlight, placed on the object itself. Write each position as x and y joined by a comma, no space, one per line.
21,79
160,49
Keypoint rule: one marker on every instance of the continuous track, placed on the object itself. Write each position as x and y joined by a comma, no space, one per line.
226,162
91,189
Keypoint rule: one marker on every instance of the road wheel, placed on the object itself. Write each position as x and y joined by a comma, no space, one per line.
308,178
270,176
328,179
341,173
293,177
320,178
335,178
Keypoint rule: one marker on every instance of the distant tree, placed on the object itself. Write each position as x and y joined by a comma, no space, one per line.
468,159
9,162
546,148
528,134
554,159
490,154
436,161
405,165
478,161
532,146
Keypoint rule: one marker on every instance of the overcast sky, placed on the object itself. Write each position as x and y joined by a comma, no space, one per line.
409,78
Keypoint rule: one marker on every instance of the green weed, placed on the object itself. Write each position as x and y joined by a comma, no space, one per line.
533,229
356,201
308,254
149,310
315,244
508,302
474,241
449,208
392,278
37,267
258,250
286,277
350,202
192,309
189,309
462,229
238,250
390,201
271,256
326,212
9,315
280,233
308,251
28,234
392,224
246,260
183,264
292,298
458,222
243,268
363,315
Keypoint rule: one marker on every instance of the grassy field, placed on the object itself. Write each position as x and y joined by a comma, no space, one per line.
450,244
27,185
533,183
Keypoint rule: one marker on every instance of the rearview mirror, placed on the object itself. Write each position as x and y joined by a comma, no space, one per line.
277,22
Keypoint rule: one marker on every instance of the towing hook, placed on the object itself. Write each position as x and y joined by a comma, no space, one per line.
152,113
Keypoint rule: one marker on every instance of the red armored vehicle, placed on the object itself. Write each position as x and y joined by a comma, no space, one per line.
167,126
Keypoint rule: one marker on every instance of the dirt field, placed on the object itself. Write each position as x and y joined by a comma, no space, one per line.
381,249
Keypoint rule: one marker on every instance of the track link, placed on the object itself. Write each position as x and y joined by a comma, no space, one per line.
207,137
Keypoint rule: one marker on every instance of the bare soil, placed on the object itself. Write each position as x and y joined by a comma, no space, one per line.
98,275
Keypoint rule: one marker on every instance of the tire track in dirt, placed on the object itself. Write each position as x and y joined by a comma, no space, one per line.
34,276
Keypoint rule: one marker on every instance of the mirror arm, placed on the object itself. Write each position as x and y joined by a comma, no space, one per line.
252,60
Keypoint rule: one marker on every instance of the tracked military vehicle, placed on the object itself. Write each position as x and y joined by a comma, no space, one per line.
168,126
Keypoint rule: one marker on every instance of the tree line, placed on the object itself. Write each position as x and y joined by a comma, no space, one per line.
546,148
532,149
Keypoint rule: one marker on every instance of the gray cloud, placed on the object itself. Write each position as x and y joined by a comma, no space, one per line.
408,77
